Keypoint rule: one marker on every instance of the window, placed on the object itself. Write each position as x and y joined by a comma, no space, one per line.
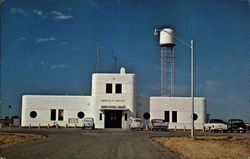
100,116
33,114
174,116
146,115
166,116
80,115
60,114
118,88
53,114
108,88
195,117
126,117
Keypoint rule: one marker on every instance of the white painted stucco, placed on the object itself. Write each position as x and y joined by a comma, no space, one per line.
100,102
158,106
92,105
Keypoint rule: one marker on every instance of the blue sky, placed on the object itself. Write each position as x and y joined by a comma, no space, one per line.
49,47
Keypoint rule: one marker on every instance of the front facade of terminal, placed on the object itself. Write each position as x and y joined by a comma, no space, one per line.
112,104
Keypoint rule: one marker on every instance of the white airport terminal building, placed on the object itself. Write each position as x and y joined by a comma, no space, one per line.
112,104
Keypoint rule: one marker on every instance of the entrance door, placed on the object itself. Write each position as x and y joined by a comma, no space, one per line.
113,119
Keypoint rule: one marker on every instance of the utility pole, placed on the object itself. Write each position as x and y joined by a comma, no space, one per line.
115,59
97,59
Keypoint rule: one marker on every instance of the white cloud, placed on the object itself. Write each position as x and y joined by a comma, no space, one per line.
58,66
38,12
18,11
57,13
60,15
46,39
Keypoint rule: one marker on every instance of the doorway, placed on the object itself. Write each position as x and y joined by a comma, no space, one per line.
113,119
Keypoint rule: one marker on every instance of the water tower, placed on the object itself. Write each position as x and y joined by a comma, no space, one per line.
167,61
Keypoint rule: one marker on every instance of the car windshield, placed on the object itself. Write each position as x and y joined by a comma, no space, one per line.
88,119
237,122
137,120
157,121
216,121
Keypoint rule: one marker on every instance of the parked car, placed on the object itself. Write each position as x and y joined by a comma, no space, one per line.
88,123
136,123
237,125
247,126
158,124
216,125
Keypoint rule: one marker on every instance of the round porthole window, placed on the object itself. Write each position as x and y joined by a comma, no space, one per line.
33,114
195,116
146,115
80,115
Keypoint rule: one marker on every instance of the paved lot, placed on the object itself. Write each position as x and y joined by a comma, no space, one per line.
75,143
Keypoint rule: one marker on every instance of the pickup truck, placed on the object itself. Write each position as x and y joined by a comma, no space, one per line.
237,125
215,125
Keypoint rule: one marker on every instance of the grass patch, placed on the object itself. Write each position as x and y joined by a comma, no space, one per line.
208,147
8,138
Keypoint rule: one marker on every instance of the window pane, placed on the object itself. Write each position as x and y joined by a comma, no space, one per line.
33,114
166,116
108,88
60,114
118,88
174,116
100,116
53,114
80,115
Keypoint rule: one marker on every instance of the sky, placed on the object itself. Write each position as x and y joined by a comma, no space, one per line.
49,47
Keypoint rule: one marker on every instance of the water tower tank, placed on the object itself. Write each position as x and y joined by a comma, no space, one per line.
166,38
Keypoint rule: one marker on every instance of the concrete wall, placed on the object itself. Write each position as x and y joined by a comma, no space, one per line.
42,105
183,107
114,101
92,105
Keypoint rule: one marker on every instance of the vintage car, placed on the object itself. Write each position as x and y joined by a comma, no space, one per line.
136,123
158,124
88,123
216,125
237,125
247,126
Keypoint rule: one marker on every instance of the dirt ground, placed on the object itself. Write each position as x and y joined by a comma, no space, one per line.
208,147
8,138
